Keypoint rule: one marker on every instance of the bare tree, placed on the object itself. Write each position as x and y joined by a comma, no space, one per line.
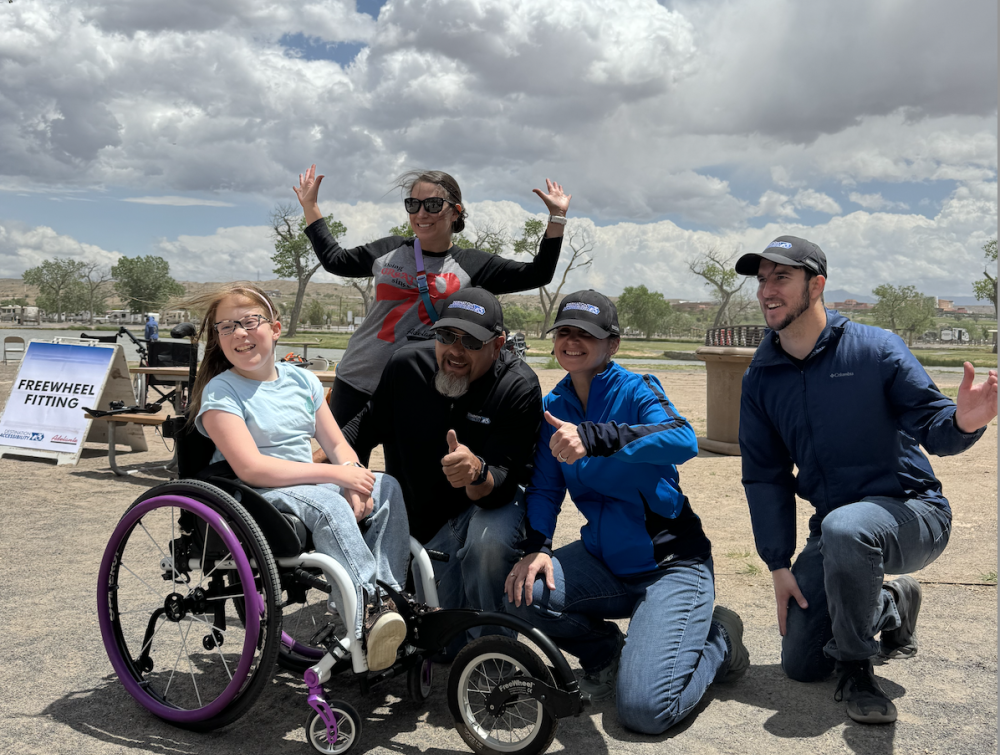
714,267
95,277
293,254
581,245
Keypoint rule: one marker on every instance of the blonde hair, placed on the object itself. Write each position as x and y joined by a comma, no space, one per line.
215,362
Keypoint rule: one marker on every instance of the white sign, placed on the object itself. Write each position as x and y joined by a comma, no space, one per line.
45,408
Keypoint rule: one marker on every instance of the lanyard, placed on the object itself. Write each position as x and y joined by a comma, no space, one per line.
422,281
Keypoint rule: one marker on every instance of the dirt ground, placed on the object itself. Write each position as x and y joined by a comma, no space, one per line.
59,694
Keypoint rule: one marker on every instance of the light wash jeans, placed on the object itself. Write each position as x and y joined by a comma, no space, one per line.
673,650
382,552
840,573
482,549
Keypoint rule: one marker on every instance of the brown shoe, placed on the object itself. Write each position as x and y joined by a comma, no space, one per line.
384,632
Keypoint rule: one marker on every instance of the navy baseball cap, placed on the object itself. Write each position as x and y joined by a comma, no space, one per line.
473,310
785,250
590,311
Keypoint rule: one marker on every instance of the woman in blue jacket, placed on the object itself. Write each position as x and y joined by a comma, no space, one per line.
612,439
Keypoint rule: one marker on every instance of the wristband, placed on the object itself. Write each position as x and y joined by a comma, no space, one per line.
557,219
352,464
483,472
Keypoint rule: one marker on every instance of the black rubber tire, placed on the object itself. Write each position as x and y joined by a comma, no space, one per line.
418,681
506,659
256,551
316,729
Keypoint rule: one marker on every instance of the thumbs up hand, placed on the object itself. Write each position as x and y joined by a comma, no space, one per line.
565,442
459,465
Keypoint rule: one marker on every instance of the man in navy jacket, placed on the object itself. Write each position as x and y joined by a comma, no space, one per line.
850,406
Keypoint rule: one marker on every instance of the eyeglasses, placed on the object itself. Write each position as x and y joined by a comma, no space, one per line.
433,205
469,342
250,322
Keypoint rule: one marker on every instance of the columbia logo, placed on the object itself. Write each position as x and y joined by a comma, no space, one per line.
841,374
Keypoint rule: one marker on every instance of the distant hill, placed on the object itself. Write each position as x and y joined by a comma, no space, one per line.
839,294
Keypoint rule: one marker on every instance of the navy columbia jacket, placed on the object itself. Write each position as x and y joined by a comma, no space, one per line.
638,520
851,417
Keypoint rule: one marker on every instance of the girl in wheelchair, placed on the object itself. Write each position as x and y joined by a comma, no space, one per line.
262,415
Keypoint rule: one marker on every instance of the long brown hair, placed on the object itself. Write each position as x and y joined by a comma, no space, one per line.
215,362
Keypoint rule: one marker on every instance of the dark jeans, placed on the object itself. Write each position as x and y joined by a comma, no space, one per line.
840,574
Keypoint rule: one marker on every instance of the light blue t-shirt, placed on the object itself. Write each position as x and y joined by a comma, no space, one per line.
280,414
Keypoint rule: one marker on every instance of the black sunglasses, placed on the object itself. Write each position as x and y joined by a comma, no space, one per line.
433,205
448,338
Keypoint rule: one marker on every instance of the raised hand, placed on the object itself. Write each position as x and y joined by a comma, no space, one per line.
977,404
555,199
459,465
565,442
308,189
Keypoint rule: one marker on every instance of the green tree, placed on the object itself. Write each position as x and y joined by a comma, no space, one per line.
144,283
315,313
644,310
903,309
58,283
714,267
987,287
293,254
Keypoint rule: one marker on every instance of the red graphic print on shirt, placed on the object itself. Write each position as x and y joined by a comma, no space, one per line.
407,297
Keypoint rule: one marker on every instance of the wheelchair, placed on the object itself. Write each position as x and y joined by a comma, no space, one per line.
204,586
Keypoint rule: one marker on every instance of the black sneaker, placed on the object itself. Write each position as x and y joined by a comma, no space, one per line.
902,642
866,702
739,656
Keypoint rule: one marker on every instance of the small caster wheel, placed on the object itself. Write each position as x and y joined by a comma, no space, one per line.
418,681
348,729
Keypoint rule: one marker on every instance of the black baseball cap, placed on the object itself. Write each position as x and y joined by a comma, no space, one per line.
785,250
473,310
590,311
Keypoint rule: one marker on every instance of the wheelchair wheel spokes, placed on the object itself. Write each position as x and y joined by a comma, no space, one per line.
520,723
182,650
305,627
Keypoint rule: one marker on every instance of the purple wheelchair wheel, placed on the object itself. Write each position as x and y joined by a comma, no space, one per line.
179,560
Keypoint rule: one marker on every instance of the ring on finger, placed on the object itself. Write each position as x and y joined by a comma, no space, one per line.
562,458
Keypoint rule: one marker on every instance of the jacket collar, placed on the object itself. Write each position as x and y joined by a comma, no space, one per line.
769,352
603,382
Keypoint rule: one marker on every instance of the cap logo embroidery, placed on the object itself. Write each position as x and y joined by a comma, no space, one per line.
467,305
782,244
584,307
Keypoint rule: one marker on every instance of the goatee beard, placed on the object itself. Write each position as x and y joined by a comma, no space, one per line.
451,386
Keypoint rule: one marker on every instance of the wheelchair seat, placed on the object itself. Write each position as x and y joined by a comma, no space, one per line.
286,534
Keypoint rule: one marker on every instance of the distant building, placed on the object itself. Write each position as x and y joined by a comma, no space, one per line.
851,305
274,294
946,305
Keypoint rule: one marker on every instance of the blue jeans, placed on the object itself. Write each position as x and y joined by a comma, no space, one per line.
382,552
482,549
840,573
673,650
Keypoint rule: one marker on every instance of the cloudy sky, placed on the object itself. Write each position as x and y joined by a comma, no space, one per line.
134,127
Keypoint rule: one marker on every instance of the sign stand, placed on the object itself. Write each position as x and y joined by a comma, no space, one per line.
111,381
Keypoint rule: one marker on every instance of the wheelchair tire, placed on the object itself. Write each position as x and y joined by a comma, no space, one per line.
418,681
348,729
523,726
154,580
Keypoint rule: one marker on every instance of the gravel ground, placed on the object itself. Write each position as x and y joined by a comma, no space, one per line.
59,694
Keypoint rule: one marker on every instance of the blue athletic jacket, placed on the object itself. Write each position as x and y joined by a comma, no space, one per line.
851,417
638,520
